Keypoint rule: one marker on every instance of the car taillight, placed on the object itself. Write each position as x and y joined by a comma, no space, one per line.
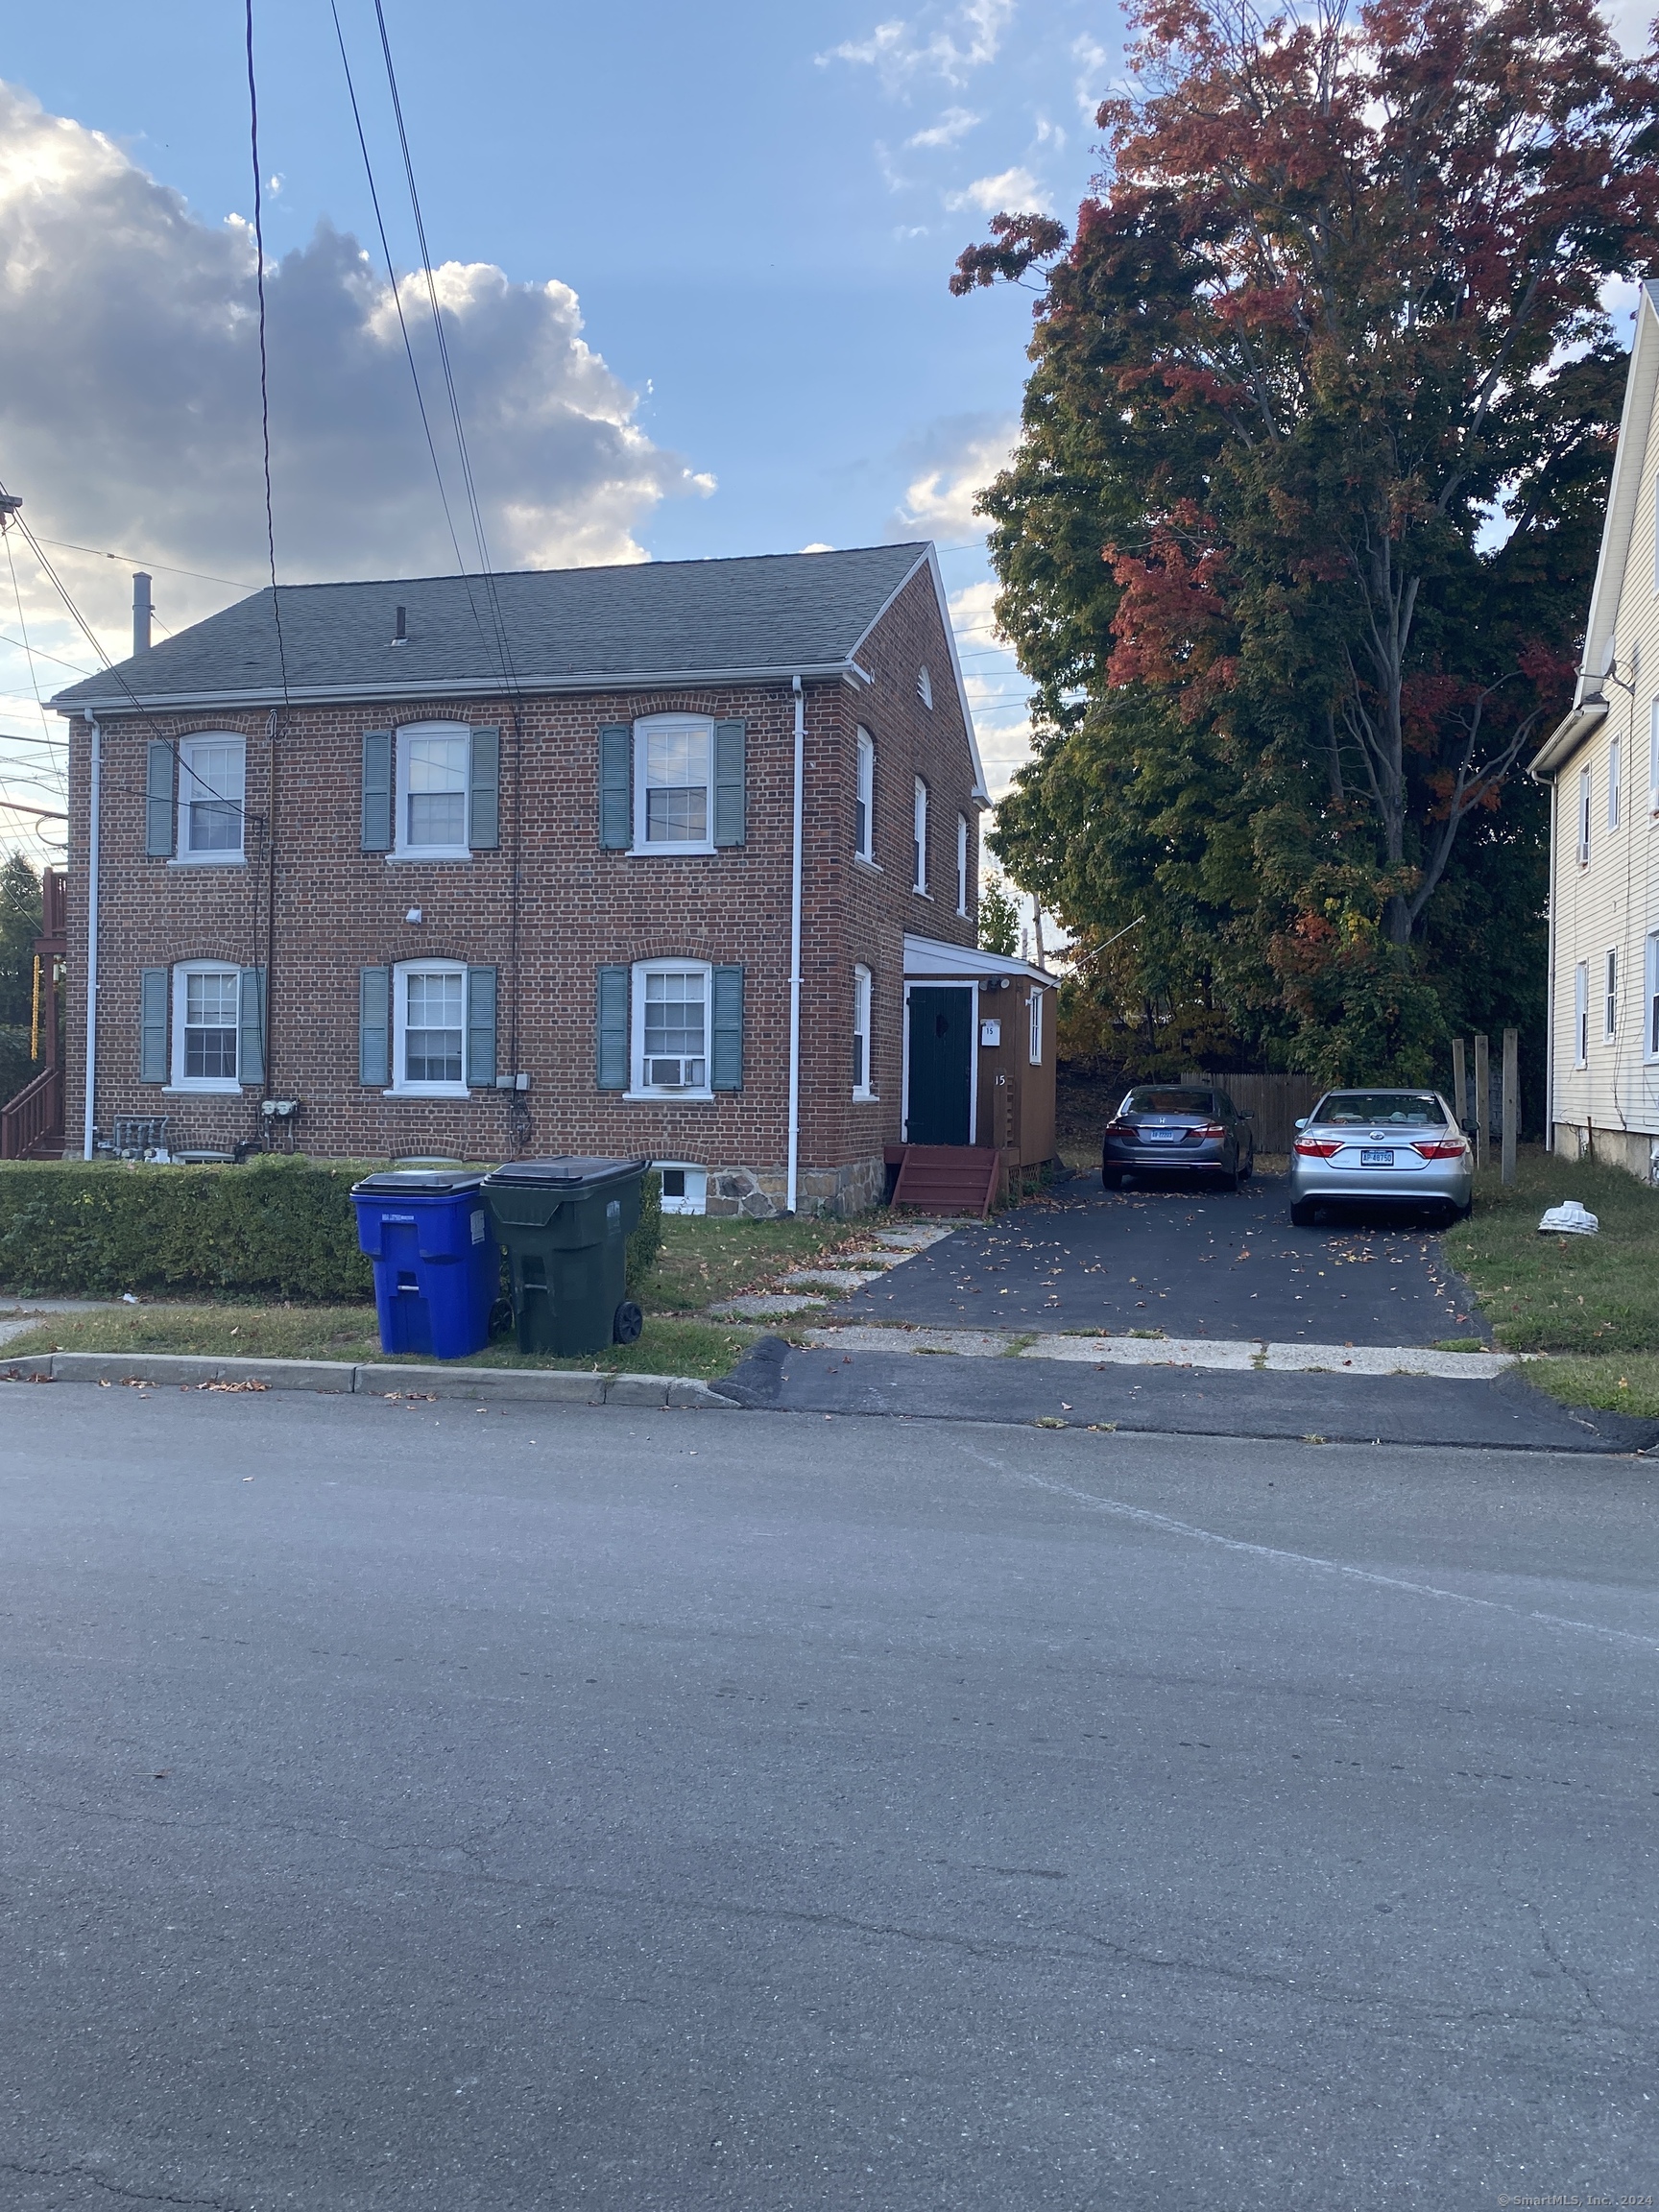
1318,1147
1443,1149
1121,1129
1211,1129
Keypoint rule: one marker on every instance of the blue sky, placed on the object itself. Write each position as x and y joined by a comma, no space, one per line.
756,208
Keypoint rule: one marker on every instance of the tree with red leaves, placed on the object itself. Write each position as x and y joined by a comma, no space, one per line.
1307,500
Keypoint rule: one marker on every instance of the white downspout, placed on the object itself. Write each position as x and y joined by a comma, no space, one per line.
1549,985
92,805
795,953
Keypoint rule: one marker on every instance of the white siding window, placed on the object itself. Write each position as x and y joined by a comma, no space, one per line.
211,777
433,760
1036,1020
672,774
1650,1044
1581,1014
671,1029
920,821
429,1028
206,1014
861,1077
864,816
1583,817
961,863
1610,1007
1614,778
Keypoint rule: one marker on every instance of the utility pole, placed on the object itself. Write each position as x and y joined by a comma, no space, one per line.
140,614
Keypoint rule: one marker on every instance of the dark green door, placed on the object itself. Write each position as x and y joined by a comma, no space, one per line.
941,1065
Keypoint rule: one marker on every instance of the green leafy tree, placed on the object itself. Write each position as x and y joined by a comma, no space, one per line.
1299,533
998,919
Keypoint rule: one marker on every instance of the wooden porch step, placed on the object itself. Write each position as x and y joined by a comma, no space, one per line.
948,1178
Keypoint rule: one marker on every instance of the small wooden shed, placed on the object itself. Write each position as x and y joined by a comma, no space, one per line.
979,1053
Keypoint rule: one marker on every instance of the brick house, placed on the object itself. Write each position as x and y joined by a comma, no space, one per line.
478,867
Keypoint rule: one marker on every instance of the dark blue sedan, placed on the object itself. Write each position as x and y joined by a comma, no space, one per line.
1177,1129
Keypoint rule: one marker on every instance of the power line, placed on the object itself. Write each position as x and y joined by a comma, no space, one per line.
143,561
19,646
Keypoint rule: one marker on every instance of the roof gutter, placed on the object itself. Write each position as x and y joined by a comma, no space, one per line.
1565,739
470,688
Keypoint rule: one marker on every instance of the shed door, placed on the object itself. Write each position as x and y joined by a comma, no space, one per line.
941,1065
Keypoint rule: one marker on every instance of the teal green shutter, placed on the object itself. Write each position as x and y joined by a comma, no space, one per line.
480,1024
615,786
374,1026
726,1031
614,1044
152,1024
376,790
159,819
730,811
483,792
251,1027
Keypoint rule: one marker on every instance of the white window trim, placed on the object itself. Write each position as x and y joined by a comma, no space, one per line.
863,999
1653,757
401,850
864,792
1650,1027
696,1199
1583,817
919,808
1034,1025
638,1088
1615,769
640,849
232,856
1581,1015
962,864
401,975
201,1086
1610,995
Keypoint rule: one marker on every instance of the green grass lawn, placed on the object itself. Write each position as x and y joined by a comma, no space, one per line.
667,1346
703,1260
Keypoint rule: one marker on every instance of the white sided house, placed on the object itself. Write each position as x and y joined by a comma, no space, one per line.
1601,764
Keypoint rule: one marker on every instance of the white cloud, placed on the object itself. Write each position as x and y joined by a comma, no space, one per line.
901,52
1014,188
1092,62
128,393
954,124
939,498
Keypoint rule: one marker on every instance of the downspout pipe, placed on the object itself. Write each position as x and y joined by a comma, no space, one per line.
93,810
1550,979
794,1177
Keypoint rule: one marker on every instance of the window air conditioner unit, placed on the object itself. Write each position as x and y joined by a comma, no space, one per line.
674,1075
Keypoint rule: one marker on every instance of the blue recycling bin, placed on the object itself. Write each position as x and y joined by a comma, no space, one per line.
437,1266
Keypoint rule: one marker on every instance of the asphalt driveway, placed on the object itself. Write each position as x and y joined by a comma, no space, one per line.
1197,1264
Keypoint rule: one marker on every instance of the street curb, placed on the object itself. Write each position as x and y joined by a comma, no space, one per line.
340,1378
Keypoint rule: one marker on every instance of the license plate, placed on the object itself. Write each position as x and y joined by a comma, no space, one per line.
1376,1159
1162,1136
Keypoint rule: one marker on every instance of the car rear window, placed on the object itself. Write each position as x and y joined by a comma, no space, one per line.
1168,1102
1403,1109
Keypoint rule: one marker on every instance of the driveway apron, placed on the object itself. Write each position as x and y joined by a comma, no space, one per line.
1193,1262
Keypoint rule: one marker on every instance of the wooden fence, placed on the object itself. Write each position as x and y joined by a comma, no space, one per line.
1274,1103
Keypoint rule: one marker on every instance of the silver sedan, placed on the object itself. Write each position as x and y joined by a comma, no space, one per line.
1395,1148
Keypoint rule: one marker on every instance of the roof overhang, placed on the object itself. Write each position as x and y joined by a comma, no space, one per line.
1565,739
931,956
470,688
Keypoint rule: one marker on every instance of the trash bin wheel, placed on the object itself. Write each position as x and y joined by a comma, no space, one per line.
628,1324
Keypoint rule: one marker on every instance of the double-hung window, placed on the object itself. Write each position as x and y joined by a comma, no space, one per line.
429,1028
1614,765
1581,1015
1653,757
1035,1017
1650,1045
961,863
433,761
1610,1005
920,832
206,1017
1583,817
861,1079
211,777
671,1027
672,776
864,814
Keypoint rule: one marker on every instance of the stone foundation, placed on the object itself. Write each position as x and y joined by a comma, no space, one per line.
1635,1150
760,1193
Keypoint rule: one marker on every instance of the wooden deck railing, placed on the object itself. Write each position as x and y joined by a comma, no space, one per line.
34,1117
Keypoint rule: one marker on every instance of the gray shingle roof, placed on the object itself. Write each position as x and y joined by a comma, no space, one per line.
780,613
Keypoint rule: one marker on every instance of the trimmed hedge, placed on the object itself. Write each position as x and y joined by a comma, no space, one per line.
284,1226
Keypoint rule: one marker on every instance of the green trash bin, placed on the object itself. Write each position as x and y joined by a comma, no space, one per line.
565,1225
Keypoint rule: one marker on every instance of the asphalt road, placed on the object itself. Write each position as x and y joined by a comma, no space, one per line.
1196,1262
415,1809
